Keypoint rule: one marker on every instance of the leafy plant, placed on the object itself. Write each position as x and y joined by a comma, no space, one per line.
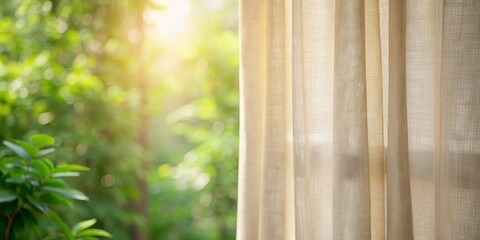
32,185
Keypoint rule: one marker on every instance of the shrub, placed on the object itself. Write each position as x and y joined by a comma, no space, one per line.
32,186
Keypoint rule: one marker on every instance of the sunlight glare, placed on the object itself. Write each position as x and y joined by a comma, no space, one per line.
170,23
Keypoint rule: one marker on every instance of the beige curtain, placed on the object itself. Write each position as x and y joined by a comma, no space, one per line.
360,119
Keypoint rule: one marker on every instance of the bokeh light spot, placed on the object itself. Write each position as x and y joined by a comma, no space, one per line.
218,127
108,180
202,65
45,118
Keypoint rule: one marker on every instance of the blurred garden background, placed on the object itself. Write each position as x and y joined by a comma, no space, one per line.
144,93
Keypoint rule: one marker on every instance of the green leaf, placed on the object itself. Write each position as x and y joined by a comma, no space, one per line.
7,195
18,224
66,174
68,193
61,224
95,232
45,151
42,140
17,181
49,164
8,207
28,216
83,225
3,225
55,199
34,173
38,205
17,149
89,238
15,165
31,221
56,183
42,168
33,182
70,168
31,150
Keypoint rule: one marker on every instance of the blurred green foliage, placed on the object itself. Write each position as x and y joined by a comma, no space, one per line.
61,73
196,182
91,71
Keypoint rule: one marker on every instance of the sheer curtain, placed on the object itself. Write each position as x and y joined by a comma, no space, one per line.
360,119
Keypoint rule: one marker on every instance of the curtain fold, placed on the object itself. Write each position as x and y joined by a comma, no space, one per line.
359,119
399,201
351,185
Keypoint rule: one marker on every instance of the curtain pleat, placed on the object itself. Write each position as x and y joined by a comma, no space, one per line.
313,64
351,190
423,44
374,93
266,193
359,119
253,69
399,204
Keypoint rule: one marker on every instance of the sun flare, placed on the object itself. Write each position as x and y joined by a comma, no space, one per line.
170,21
